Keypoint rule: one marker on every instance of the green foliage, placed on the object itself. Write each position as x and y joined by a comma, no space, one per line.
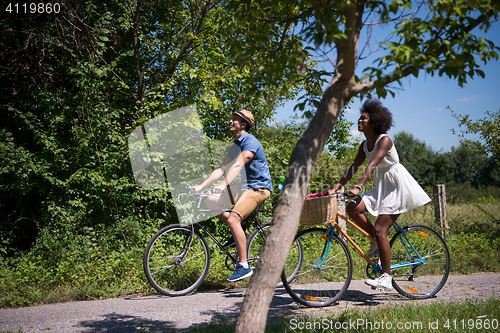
462,165
72,220
432,36
106,68
483,254
426,166
440,42
340,139
73,88
278,140
488,168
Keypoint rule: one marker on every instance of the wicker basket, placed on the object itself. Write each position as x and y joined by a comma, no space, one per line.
319,210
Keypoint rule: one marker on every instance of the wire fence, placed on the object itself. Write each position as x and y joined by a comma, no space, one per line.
479,214
465,211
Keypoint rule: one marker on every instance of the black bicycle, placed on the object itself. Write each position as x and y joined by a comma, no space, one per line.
177,258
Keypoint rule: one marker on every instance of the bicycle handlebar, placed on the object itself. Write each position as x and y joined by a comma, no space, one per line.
344,196
191,190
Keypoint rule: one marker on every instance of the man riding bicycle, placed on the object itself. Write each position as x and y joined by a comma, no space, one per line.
254,191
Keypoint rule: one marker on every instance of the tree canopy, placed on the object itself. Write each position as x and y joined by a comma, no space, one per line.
488,130
76,83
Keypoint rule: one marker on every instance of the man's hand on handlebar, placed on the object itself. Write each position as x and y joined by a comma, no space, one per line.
197,188
218,189
215,190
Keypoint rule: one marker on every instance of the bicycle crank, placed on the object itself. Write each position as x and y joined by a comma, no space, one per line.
230,264
373,271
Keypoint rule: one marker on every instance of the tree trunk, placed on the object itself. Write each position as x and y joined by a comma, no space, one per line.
272,260
287,214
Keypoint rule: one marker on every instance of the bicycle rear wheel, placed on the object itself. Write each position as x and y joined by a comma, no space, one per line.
423,280
176,260
256,243
321,281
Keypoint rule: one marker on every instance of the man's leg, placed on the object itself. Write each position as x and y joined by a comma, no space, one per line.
234,223
246,204
243,269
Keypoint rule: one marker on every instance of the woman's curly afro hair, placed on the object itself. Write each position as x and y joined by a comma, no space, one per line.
380,116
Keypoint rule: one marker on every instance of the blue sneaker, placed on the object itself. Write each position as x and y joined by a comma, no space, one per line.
240,273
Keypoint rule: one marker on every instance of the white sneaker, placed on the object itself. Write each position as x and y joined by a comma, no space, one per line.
382,283
372,251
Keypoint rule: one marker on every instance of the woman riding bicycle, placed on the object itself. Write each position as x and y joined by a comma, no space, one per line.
395,192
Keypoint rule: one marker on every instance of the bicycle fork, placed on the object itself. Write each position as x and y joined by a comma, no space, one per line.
326,249
179,259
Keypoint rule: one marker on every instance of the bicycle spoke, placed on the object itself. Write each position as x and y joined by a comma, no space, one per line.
173,274
419,280
322,285
256,243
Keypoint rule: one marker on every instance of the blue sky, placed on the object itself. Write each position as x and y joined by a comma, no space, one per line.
420,108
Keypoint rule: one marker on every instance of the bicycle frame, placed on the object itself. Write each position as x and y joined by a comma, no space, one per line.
375,266
197,225
406,241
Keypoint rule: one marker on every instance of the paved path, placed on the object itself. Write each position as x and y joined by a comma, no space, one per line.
160,313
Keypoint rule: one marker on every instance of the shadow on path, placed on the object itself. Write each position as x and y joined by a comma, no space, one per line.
115,323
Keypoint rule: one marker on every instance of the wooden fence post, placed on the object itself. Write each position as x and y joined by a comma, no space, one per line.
440,209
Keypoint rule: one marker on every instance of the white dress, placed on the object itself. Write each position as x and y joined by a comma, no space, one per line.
396,191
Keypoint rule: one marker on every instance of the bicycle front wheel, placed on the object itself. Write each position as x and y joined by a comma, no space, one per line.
256,243
424,280
176,260
326,270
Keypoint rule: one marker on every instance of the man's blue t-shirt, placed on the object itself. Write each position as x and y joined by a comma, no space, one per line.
257,171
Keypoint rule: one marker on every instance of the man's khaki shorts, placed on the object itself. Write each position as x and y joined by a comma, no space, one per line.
248,200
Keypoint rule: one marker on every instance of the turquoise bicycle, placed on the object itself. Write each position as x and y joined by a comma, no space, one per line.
420,262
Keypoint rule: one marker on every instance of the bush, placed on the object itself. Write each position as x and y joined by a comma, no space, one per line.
74,262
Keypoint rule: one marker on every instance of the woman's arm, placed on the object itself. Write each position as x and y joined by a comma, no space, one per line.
360,158
384,145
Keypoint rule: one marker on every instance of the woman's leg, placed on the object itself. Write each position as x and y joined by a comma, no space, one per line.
382,225
355,209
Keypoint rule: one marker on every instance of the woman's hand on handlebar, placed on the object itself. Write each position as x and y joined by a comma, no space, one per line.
336,188
350,194
353,193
